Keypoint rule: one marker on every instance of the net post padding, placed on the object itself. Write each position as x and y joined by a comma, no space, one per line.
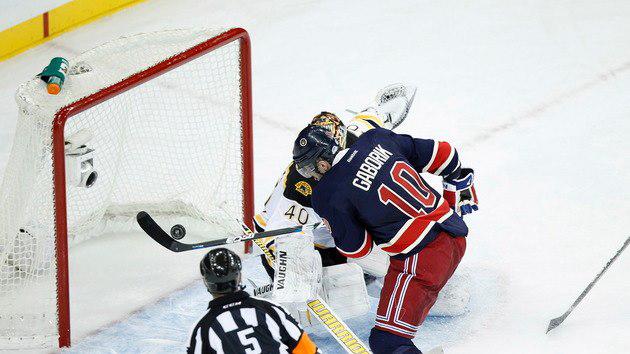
64,114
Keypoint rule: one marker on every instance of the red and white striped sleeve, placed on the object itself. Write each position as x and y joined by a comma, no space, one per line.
427,155
444,160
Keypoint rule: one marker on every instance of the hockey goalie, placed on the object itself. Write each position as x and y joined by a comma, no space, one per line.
308,265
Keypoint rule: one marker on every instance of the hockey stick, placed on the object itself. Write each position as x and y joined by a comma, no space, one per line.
558,320
337,328
259,242
160,236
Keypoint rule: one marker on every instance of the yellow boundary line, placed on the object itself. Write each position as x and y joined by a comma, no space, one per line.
49,25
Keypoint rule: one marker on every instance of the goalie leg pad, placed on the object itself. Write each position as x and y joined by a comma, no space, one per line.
298,269
344,289
454,297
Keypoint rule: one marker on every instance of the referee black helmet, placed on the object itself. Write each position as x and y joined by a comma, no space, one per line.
221,271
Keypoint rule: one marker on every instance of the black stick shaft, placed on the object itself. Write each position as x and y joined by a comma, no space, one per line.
558,320
158,234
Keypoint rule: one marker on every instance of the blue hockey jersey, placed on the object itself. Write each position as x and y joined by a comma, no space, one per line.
374,194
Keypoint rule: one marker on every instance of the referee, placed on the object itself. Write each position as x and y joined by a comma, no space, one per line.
238,323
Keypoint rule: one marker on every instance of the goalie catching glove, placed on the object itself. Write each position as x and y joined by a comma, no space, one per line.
460,192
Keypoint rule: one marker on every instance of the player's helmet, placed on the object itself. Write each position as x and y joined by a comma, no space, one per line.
221,271
314,143
332,123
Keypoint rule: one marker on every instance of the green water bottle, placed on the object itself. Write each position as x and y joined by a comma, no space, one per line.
54,74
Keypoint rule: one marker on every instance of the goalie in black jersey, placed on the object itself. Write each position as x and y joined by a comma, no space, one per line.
238,323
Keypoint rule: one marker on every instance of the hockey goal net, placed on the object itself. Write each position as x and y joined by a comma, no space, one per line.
159,122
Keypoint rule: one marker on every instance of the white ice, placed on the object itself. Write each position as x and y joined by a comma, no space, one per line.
534,93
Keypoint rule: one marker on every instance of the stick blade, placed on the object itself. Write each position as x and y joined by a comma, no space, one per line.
555,323
154,230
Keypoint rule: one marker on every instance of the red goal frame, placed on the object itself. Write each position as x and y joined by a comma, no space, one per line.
67,112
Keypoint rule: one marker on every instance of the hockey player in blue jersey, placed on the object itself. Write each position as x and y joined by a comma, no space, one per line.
372,193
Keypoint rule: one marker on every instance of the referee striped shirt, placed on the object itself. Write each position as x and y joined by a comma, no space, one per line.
238,323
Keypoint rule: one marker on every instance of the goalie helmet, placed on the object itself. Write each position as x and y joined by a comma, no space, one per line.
332,123
314,143
221,271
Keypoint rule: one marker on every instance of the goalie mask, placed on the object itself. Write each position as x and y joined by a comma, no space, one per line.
334,125
221,271
314,143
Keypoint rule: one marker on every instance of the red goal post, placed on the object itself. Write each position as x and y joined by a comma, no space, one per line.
81,105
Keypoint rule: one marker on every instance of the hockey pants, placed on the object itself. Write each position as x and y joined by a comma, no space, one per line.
412,285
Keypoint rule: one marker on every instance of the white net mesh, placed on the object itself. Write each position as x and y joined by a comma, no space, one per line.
170,146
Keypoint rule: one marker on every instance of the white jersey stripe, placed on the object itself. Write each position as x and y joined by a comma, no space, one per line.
445,164
249,316
433,154
392,299
405,226
414,265
292,329
215,342
400,232
401,298
198,344
227,321
274,329
193,328
394,329
420,238
410,269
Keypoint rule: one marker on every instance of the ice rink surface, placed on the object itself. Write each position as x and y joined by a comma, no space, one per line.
536,96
